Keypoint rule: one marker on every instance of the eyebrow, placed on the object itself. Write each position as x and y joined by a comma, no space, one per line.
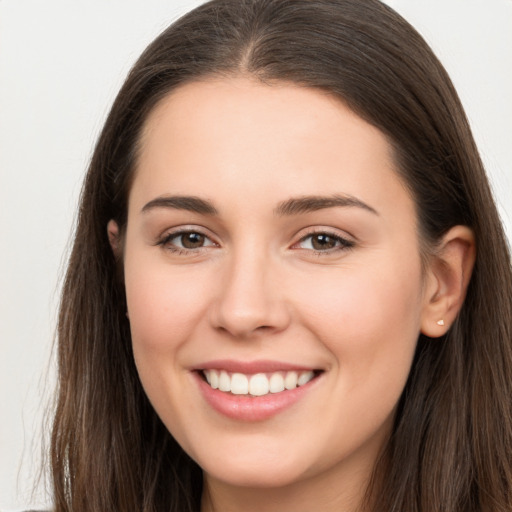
293,206
189,203
306,204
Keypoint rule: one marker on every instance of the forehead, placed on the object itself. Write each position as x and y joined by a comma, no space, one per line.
226,135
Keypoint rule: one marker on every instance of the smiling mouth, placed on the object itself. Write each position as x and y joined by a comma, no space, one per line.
258,384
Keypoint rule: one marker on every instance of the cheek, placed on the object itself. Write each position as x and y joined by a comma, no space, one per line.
369,320
370,325
164,304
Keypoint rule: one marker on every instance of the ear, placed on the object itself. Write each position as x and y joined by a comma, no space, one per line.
447,281
114,237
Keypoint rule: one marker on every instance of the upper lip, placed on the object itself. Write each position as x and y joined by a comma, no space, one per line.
252,367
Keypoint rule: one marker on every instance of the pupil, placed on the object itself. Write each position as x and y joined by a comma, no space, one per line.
320,242
192,240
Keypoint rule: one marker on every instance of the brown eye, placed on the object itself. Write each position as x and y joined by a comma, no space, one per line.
192,240
323,242
186,241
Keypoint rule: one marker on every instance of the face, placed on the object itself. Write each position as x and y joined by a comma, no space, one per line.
273,280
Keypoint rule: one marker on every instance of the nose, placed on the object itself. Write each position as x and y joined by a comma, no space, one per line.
251,297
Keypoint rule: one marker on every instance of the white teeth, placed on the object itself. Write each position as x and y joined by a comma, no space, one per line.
259,384
224,381
276,383
239,384
290,381
214,379
304,378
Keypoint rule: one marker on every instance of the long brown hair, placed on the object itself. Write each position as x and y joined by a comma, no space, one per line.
451,448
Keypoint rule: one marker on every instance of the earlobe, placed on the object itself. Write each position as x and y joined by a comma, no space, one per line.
449,271
113,237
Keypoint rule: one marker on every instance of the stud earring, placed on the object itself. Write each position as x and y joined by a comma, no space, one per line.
440,322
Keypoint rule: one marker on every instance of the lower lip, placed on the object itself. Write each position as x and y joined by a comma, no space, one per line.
249,408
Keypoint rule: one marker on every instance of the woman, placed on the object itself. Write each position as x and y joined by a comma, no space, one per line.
289,287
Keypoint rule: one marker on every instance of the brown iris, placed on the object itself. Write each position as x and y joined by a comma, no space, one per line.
192,240
322,242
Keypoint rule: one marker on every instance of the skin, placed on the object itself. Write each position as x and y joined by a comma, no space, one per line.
257,289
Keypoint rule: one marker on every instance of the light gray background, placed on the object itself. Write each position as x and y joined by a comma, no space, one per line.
61,64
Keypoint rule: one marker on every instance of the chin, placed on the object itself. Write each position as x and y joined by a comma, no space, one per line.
267,473
256,478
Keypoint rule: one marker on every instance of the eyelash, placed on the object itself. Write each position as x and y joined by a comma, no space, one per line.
342,244
165,242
